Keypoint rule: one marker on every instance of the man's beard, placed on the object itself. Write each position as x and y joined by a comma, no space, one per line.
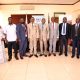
22,22
10,23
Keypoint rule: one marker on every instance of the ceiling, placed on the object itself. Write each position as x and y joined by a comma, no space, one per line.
55,2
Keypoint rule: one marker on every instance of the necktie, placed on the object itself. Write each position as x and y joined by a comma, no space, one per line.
53,26
76,28
64,28
32,25
42,26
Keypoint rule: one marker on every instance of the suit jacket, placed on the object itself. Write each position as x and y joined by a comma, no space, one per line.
43,31
79,32
53,32
68,33
73,31
33,32
20,32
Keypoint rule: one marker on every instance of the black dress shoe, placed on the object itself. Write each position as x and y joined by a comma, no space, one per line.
45,55
49,54
60,54
9,59
54,54
25,55
21,57
16,58
30,55
77,56
66,55
36,55
41,55
72,56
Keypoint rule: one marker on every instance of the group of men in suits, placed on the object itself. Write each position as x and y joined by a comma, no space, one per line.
72,33
42,32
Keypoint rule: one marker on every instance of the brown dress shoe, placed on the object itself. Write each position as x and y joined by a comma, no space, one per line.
54,54
45,55
9,59
60,54
36,55
21,57
30,55
41,55
16,58
72,56
49,54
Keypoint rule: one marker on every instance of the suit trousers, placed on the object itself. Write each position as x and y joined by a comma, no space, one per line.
52,45
63,43
43,46
22,47
33,46
75,44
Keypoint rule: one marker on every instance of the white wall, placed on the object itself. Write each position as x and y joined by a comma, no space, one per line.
7,10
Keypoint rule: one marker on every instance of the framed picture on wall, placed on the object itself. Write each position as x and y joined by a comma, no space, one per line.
58,16
38,18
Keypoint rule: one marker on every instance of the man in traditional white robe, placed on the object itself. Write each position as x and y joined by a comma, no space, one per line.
2,49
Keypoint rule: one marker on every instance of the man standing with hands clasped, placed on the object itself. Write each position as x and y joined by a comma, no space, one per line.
44,36
33,35
53,35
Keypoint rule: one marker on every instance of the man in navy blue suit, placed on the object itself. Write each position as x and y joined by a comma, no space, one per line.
21,35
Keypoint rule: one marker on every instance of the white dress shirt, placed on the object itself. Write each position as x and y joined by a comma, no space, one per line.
10,31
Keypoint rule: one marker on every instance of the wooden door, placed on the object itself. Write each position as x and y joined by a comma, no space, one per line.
16,18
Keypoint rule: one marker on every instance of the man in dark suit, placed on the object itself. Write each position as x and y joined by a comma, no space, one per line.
21,35
64,35
75,38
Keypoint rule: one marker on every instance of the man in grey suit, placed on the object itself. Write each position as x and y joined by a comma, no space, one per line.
53,36
21,35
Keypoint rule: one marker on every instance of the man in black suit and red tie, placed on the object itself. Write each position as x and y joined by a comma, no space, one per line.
64,35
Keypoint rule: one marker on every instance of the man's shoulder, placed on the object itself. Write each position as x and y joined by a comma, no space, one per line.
28,24
60,24
14,25
73,25
36,24
56,23
18,24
